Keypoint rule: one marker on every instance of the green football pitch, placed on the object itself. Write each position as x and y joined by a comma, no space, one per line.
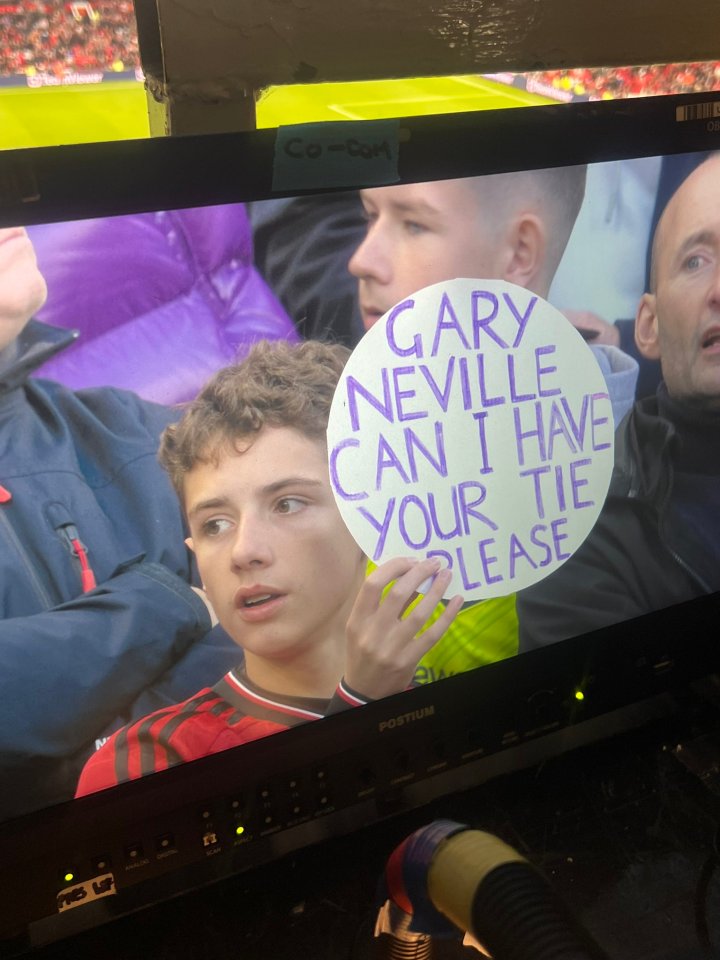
117,111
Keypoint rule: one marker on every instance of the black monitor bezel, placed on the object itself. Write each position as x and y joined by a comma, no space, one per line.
634,663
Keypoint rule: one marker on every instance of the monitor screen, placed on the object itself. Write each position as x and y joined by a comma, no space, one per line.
132,273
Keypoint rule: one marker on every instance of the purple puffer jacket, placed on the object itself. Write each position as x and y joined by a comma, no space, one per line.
161,300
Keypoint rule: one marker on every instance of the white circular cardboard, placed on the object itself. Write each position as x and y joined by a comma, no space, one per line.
473,423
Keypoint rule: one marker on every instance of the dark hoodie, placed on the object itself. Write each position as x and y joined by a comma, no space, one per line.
657,539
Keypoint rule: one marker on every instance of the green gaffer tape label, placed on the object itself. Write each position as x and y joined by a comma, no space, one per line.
311,156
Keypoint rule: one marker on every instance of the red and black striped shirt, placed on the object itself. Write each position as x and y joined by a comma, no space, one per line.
233,712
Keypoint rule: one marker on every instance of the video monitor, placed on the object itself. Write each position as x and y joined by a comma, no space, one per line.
525,390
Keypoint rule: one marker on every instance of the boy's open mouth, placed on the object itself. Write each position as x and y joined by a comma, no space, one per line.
259,600
256,596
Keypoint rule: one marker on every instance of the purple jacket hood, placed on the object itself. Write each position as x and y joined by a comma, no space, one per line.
160,300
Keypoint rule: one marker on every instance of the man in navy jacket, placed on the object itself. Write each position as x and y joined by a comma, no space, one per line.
99,621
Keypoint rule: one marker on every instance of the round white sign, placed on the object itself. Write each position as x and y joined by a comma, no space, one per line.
473,423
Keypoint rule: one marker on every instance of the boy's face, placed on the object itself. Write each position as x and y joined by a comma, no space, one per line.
419,234
278,564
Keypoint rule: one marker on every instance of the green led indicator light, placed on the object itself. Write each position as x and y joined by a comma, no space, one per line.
240,830
69,877
579,695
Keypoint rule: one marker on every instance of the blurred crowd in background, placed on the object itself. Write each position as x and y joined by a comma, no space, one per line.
609,83
60,38
51,36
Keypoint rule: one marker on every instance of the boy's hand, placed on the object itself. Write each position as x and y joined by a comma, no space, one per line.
383,647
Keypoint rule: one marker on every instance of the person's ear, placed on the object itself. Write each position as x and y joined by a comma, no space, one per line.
646,327
527,250
189,544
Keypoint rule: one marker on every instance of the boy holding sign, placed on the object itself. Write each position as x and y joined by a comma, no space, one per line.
284,575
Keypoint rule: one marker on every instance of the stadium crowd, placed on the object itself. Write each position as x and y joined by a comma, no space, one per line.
59,38
610,83
62,38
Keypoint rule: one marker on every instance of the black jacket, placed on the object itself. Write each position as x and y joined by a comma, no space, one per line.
640,556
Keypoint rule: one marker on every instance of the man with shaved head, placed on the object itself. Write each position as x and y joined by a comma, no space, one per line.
509,226
657,540
505,226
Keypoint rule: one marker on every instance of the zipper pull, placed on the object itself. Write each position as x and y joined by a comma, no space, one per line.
87,577
5,495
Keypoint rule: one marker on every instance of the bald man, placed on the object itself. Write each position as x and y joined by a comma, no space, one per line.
657,540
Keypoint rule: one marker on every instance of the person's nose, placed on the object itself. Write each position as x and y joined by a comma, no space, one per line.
252,547
371,260
714,291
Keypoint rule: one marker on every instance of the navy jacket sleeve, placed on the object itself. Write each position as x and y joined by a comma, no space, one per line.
201,665
66,673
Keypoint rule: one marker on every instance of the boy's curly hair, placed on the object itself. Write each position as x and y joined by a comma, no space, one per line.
278,384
